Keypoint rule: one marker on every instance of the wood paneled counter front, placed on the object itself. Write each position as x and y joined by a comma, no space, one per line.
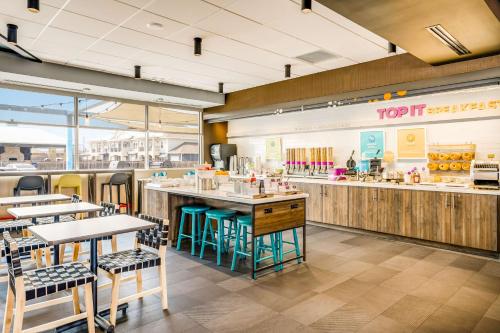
269,215
462,217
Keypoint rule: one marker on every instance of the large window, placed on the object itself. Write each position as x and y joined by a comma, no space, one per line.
36,131
39,131
173,138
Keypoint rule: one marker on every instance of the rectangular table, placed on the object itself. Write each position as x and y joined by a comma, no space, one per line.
34,212
33,199
89,229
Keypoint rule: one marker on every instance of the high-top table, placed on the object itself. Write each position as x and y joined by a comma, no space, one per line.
89,229
33,199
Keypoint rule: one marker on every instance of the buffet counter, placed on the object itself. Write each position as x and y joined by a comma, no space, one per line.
438,187
269,215
453,217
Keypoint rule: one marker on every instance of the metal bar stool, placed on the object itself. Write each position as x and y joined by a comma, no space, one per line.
119,179
281,243
195,213
219,215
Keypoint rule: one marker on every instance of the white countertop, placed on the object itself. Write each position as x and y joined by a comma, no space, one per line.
223,195
436,188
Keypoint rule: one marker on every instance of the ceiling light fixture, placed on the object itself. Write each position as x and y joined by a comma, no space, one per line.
12,33
154,26
137,72
197,46
306,6
34,6
447,39
221,87
391,48
288,70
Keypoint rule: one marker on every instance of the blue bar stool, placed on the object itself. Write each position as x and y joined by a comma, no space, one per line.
244,223
281,243
195,213
219,215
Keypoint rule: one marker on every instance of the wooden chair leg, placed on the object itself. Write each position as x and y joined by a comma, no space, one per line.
76,251
9,310
114,244
89,308
138,280
115,293
48,257
76,301
99,248
19,312
62,250
38,256
163,284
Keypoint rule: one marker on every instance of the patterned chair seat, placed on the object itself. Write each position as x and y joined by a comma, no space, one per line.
25,245
15,225
129,260
46,281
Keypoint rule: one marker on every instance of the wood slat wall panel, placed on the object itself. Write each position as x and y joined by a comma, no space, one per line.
378,73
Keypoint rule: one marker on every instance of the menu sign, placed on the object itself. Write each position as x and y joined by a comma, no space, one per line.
371,142
411,143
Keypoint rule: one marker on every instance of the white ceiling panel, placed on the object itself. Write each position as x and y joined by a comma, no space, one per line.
245,42
141,20
81,24
104,10
185,11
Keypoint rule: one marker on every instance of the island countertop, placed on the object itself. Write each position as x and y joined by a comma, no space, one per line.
415,187
223,195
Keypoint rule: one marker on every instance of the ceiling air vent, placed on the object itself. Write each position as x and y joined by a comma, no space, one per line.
447,39
317,56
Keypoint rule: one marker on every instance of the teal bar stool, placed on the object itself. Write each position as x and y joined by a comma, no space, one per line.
281,243
219,215
195,213
244,223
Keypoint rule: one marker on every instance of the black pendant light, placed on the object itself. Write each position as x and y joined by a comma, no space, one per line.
197,46
288,70
306,6
137,72
221,87
391,48
34,6
12,33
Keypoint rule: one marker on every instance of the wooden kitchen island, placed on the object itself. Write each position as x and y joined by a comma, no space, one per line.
269,215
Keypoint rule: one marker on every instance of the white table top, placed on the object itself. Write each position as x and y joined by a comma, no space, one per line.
53,210
223,195
30,199
67,232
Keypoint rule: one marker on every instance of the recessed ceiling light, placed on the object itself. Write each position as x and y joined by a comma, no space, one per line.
154,26
86,89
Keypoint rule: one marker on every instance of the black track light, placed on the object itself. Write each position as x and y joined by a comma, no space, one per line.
34,6
197,46
12,33
221,87
306,6
288,70
391,48
137,72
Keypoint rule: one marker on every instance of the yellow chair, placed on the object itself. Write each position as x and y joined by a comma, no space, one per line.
69,181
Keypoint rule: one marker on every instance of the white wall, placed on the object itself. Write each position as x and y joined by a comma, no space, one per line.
340,127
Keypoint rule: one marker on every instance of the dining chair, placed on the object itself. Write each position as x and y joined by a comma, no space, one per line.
137,259
26,286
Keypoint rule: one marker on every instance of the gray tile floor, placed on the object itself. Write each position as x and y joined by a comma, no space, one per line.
350,283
